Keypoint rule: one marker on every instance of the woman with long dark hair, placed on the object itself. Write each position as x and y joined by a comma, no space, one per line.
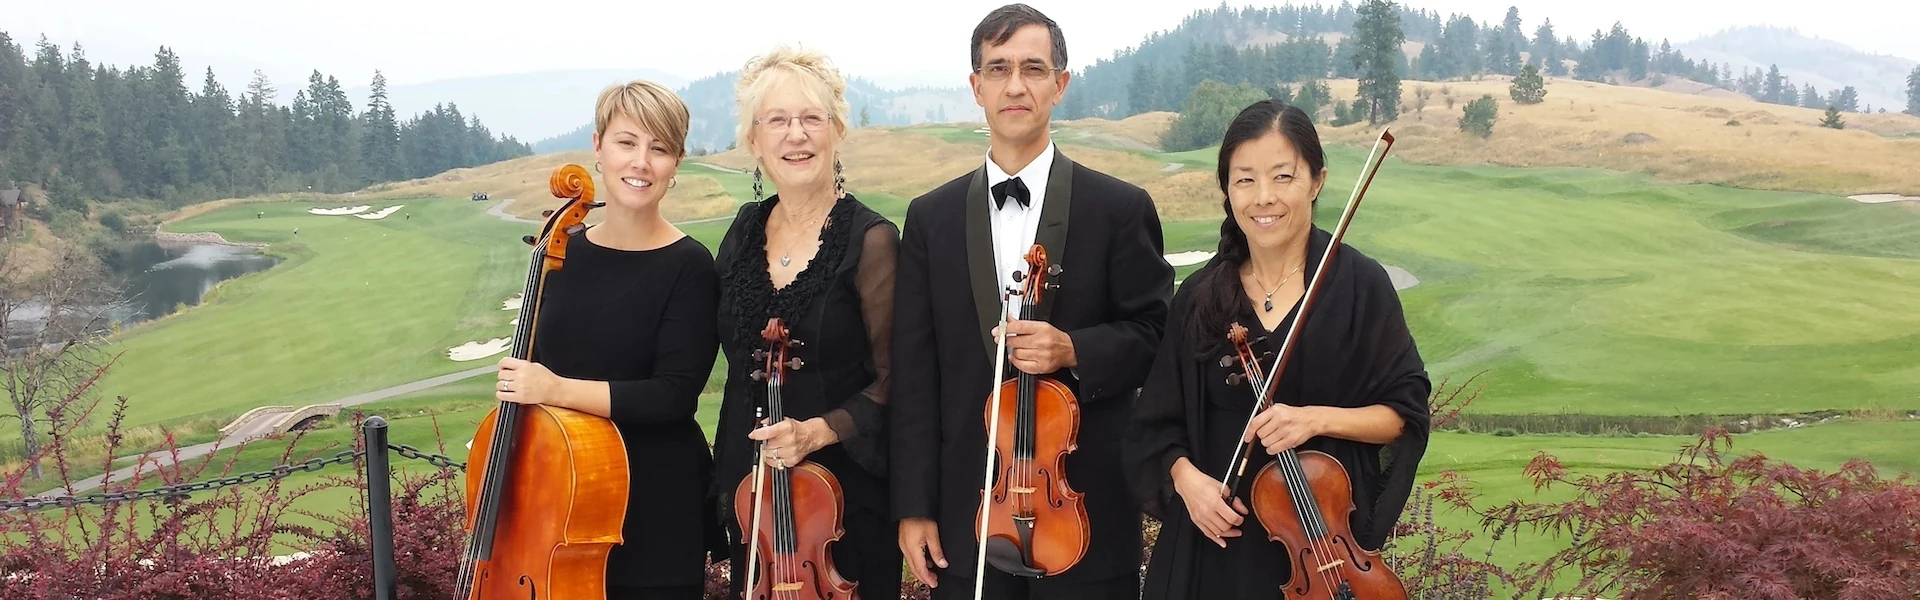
1354,386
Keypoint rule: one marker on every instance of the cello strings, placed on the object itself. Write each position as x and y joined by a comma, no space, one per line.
486,506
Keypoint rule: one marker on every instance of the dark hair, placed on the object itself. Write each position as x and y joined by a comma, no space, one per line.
999,26
1218,298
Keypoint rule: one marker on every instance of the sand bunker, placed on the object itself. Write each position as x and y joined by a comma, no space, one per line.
339,211
1189,258
1884,198
511,303
383,212
478,350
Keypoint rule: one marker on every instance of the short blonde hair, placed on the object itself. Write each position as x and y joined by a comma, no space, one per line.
655,108
819,80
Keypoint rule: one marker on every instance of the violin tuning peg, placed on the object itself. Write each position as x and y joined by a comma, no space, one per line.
795,343
1235,378
758,375
1228,361
528,239
759,355
795,363
1053,269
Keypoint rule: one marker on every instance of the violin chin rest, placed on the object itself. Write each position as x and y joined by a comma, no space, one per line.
1004,555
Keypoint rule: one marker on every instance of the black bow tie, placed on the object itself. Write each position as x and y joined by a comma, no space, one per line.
1013,187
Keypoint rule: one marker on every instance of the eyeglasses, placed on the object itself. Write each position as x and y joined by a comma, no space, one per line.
809,122
1030,71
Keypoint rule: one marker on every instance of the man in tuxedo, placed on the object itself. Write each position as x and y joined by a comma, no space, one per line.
1096,333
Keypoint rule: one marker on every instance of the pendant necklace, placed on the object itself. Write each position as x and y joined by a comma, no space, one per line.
1276,288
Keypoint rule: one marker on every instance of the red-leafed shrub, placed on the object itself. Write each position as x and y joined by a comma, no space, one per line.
1716,526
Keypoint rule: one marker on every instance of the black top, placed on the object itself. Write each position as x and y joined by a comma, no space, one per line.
643,321
840,308
1114,285
1355,350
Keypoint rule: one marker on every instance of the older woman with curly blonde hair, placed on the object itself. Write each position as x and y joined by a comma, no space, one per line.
818,259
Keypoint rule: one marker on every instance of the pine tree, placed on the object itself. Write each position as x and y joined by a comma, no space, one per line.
379,135
864,118
1771,90
1833,118
1809,97
1479,115
1377,37
1528,87
1913,92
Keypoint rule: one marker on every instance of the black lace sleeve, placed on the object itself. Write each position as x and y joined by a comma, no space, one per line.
863,414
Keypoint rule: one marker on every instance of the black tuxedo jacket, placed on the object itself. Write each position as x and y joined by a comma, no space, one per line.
1115,286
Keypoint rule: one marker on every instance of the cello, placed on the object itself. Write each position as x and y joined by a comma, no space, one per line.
1304,498
789,555
551,492
1031,521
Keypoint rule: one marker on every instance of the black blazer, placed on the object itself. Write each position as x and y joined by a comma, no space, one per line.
1114,290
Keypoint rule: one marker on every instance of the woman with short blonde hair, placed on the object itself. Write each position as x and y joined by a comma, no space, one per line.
626,333
821,261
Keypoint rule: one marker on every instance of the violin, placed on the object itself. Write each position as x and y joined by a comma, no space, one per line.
796,511
547,486
1304,498
1031,520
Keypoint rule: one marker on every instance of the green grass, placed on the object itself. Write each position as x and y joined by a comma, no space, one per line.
360,305
1587,291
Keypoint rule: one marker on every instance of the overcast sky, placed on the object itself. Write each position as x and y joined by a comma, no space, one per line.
423,40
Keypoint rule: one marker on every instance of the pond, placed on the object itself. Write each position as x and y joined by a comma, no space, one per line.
161,277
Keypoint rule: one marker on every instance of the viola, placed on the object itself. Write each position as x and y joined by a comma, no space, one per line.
547,486
796,511
1032,521
1304,498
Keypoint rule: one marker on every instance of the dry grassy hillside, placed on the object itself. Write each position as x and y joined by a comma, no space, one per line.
525,181
1674,136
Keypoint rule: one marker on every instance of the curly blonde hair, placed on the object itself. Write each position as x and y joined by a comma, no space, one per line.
819,81
658,111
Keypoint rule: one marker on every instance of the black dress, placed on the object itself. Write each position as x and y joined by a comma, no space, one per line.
1354,351
840,308
642,321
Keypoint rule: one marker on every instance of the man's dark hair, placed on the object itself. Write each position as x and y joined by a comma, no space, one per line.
1000,24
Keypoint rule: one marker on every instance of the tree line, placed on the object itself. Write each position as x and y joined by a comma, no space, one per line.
99,132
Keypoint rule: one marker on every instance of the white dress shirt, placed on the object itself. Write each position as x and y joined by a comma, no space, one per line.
1014,225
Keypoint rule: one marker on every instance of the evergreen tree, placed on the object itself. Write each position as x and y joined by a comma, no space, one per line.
1546,50
1846,99
1913,92
1479,116
380,135
1833,119
1809,97
1377,38
1771,90
1205,114
1528,87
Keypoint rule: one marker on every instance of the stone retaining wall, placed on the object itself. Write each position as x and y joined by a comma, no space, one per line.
205,237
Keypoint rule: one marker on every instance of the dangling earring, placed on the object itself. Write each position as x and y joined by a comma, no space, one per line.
839,180
672,182
756,184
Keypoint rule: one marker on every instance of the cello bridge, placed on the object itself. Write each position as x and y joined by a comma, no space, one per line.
1332,565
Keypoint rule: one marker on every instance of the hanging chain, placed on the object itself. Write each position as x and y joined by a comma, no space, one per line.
180,492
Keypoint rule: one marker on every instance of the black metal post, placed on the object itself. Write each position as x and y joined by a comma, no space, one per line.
380,507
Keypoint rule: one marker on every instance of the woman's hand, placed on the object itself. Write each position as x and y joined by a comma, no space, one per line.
526,382
1283,427
789,441
1205,505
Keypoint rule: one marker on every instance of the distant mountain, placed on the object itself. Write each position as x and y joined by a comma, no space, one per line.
1826,64
715,119
528,106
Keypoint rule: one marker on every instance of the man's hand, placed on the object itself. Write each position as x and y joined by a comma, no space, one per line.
916,535
1037,347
